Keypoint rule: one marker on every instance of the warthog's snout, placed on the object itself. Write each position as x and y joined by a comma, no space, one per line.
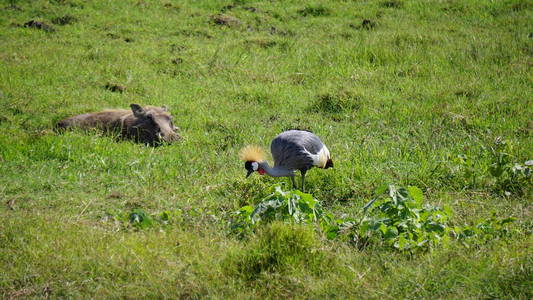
168,137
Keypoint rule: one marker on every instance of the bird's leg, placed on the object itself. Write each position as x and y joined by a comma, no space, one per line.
303,181
293,182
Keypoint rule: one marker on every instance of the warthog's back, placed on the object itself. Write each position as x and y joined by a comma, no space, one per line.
107,120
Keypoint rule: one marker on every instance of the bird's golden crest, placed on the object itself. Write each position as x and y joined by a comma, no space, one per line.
252,153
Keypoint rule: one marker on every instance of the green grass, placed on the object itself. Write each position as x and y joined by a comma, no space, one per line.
398,102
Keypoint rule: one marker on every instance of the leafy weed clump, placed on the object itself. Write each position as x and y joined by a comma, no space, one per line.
397,218
138,219
499,173
510,177
484,231
401,221
293,205
277,248
314,11
392,4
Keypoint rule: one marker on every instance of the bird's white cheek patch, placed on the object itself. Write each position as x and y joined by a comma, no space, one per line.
255,166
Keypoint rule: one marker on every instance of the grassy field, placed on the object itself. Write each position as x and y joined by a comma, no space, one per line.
414,92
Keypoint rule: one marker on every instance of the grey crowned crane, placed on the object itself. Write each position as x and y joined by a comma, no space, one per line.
292,150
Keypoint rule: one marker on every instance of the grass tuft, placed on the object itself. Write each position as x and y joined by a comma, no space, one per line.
278,248
315,11
337,102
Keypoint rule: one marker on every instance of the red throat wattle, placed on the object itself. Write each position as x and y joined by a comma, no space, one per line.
261,171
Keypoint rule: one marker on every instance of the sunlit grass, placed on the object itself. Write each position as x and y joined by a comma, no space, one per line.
418,98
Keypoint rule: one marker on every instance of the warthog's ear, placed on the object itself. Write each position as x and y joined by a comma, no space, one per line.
137,110
164,107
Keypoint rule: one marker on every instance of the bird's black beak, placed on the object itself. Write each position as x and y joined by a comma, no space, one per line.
249,173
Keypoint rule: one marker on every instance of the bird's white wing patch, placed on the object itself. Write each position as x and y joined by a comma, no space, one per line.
321,158
315,157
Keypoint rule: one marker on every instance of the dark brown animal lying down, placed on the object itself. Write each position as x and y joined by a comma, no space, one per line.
149,125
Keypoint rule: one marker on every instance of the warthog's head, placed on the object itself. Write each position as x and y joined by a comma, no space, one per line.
153,125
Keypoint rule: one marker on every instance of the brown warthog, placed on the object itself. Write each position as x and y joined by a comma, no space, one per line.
150,125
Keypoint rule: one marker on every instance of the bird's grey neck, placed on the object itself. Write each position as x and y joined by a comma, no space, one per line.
276,171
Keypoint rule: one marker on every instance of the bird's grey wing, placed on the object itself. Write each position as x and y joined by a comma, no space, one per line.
288,152
305,139
310,142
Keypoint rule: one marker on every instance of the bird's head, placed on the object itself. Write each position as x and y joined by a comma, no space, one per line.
253,156
252,166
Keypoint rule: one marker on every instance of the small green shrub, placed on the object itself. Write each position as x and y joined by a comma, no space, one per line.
397,218
503,175
460,172
138,219
510,177
400,220
292,205
484,230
